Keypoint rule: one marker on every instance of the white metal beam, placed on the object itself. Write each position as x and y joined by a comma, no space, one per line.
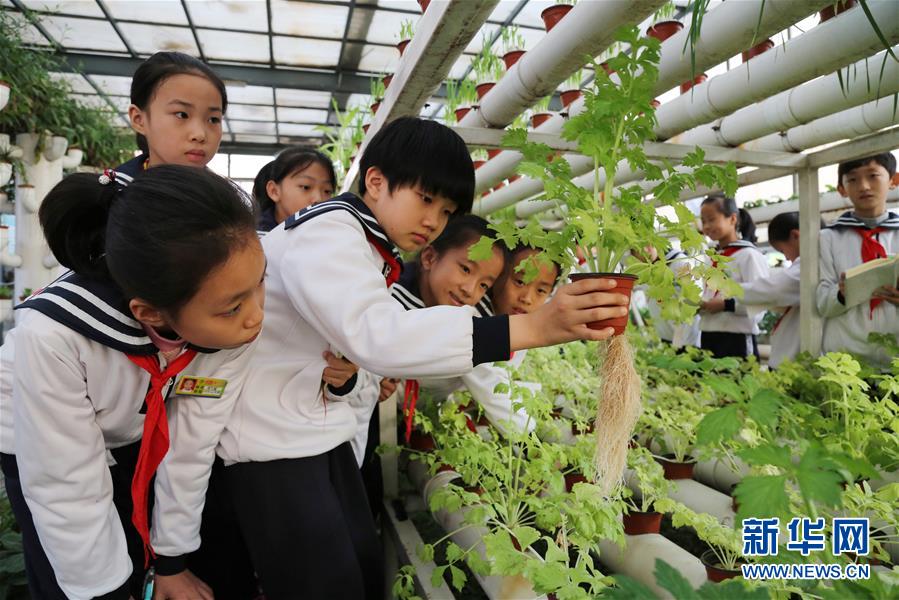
810,322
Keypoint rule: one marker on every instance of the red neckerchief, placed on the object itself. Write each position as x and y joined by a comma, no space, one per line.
393,274
410,399
729,251
871,250
155,441
780,318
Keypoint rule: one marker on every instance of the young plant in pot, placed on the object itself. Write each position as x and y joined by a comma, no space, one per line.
672,419
461,96
513,45
663,27
607,222
571,88
406,33
487,68
641,516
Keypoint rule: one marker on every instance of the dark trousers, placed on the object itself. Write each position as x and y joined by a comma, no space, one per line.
222,560
372,476
308,527
41,579
725,343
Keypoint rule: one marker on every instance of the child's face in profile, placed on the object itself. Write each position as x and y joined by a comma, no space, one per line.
867,187
453,279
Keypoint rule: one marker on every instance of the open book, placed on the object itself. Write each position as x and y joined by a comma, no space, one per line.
862,281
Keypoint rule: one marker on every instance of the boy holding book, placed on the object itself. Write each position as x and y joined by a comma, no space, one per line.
866,233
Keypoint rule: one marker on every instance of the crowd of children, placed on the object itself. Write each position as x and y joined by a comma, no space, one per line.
149,418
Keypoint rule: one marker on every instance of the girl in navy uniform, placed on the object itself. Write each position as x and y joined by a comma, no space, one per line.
162,303
297,178
295,481
728,328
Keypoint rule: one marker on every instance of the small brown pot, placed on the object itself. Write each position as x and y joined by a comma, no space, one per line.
445,468
423,442
386,80
483,88
664,29
641,523
625,286
402,46
424,5
498,186
493,152
556,413
539,119
685,86
514,178
479,163
573,478
655,103
828,12
375,106
552,15
461,112
757,49
569,96
713,568
605,67
365,127
512,57
676,470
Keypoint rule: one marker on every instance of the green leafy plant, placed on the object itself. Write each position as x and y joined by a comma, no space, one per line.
459,93
511,38
404,584
12,558
574,80
650,479
377,89
342,139
665,12
6,292
407,30
487,66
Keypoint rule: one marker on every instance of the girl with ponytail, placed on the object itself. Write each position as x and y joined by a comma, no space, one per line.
728,328
163,301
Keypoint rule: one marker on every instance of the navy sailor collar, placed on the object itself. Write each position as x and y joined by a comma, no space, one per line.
406,290
674,254
739,244
354,205
126,172
849,221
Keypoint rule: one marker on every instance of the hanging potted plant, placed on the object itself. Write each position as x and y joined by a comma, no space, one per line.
479,157
759,48
662,26
407,32
513,45
540,112
552,15
607,222
487,68
377,90
571,88
641,516
834,9
460,99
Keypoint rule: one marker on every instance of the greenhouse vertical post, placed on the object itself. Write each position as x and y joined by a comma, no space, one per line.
810,325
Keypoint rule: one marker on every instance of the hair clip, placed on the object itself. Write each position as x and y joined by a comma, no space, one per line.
107,176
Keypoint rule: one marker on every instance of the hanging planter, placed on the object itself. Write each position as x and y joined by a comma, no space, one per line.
386,80
512,57
375,107
757,49
685,87
677,470
55,147
4,94
28,142
26,195
829,12
625,285
74,156
423,442
664,29
461,112
552,15
483,88
641,523
5,173
401,46
365,127
715,570
539,119
569,96
493,152
423,4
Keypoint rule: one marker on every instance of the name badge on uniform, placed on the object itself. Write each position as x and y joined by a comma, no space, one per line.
207,387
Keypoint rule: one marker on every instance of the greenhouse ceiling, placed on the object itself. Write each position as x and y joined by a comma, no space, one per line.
286,63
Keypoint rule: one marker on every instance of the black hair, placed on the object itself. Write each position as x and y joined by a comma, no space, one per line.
782,225
522,247
286,163
155,70
464,231
157,239
884,159
411,151
728,207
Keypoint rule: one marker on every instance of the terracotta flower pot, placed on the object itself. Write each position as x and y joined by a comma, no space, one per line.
605,67
423,442
374,107
552,15
573,478
664,29
641,523
514,178
479,163
828,12
402,46
499,185
386,80
424,4
676,470
757,49
713,569
493,152
569,96
539,119
685,86
365,127
625,286
512,57
483,88
461,112
655,103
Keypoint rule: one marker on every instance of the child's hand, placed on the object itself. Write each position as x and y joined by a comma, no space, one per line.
715,305
338,371
182,586
888,293
565,317
388,386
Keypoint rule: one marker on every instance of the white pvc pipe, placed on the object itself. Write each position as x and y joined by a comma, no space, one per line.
703,499
638,560
718,473
829,202
585,31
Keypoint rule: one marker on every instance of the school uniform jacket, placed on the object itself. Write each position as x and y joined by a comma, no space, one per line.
847,329
326,290
747,264
480,381
780,290
75,394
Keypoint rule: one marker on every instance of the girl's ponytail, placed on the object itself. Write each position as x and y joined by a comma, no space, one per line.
746,226
73,216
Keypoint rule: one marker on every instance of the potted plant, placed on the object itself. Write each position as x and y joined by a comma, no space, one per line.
377,90
552,15
671,418
723,558
479,157
571,88
460,97
641,518
487,68
834,9
513,45
662,26
759,48
407,32
540,112
607,222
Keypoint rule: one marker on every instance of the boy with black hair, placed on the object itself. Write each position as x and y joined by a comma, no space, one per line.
296,485
865,233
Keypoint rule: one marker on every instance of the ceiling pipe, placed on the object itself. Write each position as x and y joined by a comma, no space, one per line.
719,41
